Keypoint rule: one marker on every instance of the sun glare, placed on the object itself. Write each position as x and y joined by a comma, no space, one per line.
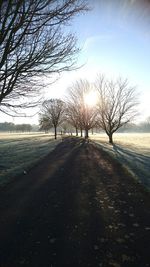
90,99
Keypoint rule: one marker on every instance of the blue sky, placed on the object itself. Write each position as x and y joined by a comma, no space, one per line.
115,40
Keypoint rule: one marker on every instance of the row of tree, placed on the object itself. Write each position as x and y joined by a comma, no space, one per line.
115,106
11,127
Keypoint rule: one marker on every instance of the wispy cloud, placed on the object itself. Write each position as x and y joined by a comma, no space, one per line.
95,39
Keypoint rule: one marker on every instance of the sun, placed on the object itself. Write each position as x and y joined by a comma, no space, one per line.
90,99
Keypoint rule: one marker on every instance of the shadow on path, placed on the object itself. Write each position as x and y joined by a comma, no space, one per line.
137,163
77,208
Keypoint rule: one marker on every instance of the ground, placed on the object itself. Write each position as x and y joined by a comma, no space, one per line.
78,207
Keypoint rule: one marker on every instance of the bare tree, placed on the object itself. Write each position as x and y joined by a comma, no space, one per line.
81,115
32,44
117,104
44,123
72,116
52,113
74,101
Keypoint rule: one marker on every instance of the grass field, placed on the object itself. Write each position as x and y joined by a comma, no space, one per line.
132,150
19,152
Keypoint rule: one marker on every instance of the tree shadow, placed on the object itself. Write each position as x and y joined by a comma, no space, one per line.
69,217
58,226
136,162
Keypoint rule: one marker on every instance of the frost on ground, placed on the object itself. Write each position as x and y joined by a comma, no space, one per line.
77,208
20,152
132,150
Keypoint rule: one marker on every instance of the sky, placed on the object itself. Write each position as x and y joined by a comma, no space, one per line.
114,37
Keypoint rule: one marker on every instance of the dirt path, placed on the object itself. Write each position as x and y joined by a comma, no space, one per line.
78,208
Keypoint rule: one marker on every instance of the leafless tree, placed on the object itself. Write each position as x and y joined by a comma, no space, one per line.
72,117
44,123
117,104
81,115
66,127
34,43
52,113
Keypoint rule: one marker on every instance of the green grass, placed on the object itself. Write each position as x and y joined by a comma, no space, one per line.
19,152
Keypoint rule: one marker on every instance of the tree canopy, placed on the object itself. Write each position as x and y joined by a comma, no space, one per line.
52,114
81,115
33,43
117,104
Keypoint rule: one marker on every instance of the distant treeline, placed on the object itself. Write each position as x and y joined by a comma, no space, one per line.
143,127
11,127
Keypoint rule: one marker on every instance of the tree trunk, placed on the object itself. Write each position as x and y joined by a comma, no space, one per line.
92,131
55,132
81,132
86,133
76,132
110,138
